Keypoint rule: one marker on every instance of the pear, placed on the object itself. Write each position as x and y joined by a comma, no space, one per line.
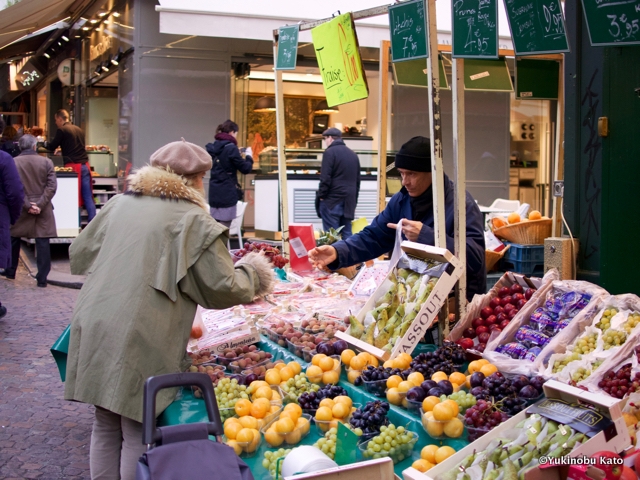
368,334
357,328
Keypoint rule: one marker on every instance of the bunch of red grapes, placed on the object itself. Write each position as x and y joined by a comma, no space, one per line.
482,417
272,253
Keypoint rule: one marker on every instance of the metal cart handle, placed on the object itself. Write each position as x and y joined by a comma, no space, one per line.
151,434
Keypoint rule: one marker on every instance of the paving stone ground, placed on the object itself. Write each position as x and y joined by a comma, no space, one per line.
41,435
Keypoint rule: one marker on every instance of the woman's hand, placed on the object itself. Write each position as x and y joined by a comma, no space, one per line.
322,256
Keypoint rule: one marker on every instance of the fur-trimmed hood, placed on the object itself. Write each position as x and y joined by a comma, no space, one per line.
157,182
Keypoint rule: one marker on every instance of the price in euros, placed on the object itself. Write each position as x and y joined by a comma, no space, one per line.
410,45
622,28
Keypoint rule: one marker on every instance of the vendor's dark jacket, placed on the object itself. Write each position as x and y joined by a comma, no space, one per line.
70,139
378,239
227,161
340,178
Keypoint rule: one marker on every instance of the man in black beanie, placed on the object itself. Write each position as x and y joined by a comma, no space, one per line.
413,204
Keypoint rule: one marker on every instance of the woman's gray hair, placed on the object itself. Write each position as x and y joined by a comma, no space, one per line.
27,142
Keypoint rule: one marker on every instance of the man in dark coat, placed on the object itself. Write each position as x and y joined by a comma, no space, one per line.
413,204
11,197
339,188
37,220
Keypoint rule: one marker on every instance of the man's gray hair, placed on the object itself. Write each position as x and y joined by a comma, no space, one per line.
27,142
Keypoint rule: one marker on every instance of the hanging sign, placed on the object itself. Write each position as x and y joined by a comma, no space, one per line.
474,28
336,47
537,26
408,29
28,76
613,22
287,47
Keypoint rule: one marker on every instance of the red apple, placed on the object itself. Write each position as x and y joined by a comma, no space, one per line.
517,296
521,303
506,299
498,309
481,329
502,317
528,293
512,313
486,312
504,291
516,289
476,322
491,320
503,324
610,463
465,343
480,347
484,337
509,306
469,333
495,302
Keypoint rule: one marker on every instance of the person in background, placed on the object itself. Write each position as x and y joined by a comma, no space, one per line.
71,141
224,189
37,219
413,204
11,198
8,142
339,188
154,254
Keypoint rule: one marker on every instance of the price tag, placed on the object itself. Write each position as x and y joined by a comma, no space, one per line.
533,430
563,430
298,247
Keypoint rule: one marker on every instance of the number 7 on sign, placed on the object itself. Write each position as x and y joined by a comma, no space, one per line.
409,43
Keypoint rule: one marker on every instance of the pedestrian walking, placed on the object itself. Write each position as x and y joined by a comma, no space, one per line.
36,220
11,203
155,254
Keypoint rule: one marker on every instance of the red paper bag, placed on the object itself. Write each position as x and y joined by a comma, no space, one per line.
301,240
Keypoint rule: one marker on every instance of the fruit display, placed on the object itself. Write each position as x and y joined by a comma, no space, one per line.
621,382
395,310
324,369
310,401
518,451
512,394
465,400
481,418
258,372
215,372
441,419
370,418
261,389
270,461
375,379
203,356
327,444
294,387
431,455
228,392
247,360
394,442
243,440
329,327
331,411
448,359
271,252
289,428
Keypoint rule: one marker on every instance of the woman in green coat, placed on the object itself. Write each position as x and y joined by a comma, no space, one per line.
151,257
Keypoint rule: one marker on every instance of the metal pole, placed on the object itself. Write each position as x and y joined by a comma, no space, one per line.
558,174
282,159
383,116
460,182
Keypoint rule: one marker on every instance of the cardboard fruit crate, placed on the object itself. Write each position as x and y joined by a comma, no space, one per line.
428,312
615,439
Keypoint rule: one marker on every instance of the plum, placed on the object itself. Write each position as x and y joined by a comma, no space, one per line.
487,311
481,329
445,386
512,313
480,347
537,382
491,319
504,291
498,310
416,394
520,381
528,391
339,346
325,348
504,324
428,385
516,289
476,379
505,300
465,343
483,337
435,392
476,322
528,293
469,332
494,302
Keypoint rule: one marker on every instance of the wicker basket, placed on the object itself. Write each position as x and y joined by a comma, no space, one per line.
492,258
531,232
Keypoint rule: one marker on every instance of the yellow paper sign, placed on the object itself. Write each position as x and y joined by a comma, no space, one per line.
336,47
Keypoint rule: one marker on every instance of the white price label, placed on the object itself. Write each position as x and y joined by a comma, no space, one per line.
298,247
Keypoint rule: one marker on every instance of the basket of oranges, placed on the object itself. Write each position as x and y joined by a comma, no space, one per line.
524,231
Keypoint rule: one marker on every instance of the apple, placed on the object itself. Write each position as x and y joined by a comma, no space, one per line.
465,343
495,328
508,306
517,296
506,300
516,289
503,324
528,293
486,312
504,291
495,302
521,303
476,322
480,347
481,329
628,473
512,313
469,333
484,337
502,317
491,320
498,309
610,463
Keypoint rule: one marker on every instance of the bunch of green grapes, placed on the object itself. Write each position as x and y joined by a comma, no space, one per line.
559,365
605,321
463,399
613,338
586,343
271,459
596,364
580,374
632,322
327,444
394,442
296,386
228,391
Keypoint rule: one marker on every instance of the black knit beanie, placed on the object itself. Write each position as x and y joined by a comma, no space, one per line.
415,155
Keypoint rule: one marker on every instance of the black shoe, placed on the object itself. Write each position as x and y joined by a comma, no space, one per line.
5,274
43,285
3,311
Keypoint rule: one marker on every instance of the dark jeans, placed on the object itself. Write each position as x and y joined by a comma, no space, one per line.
85,191
334,218
43,258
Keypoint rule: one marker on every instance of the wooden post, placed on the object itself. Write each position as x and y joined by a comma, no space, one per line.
558,170
383,117
460,183
282,159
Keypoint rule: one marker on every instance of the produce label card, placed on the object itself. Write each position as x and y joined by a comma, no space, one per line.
301,240
580,417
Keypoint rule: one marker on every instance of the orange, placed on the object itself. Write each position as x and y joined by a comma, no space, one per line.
436,377
245,435
535,215
314,374
393,381
236,448
405,386
358,363
273,438
344,399
285,425
429,402
455,407
286,373
457,377
231,430
258,410
428,453
248,422
422,465
316,358
347,355
416,378
340,410
327,402
263,392
488,369
443,453
295,367
257,384
442,412
303,425
326,364
513,218
324,414
272,377
498,222
330,377
290,414
293,407
279,366
243,407
393,396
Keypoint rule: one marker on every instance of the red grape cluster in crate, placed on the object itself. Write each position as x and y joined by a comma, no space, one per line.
272,253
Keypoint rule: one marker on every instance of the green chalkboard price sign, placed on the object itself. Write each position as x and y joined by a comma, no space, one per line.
287,47
537,26
537,79
408,25
475,28
613,22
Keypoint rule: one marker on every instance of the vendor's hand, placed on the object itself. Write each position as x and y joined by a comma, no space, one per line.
410,229
322,256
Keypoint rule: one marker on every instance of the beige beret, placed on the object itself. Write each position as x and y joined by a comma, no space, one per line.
182,157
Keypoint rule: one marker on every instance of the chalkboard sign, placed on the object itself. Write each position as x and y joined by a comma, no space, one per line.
537,26
408,28
336,47
287,47
414,74
474,28
537,79
613,22
487,75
